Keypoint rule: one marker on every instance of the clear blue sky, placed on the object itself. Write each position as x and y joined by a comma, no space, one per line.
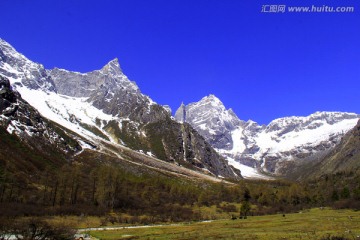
263,65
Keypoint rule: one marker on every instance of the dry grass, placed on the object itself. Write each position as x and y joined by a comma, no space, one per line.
312,224
75,221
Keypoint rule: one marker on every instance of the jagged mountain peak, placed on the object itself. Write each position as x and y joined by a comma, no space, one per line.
319,115
180,114
212,119
211,97
6,47
113,63
211,100
315,120
209,108
109,79
273,147
107,89
210,104
332,117
9,55
103,106
21,71
113,68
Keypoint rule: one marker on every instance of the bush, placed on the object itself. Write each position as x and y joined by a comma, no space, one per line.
34,228
347,204
227,208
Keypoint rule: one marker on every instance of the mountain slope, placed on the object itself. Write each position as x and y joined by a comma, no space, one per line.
111,91
29,142
211,120
344,157
105,106
278,148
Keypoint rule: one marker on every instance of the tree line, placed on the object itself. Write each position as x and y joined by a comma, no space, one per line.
76,189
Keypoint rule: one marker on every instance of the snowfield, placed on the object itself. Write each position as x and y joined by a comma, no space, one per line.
64,110
247,145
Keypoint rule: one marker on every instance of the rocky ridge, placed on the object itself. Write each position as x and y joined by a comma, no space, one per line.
104,105
278,148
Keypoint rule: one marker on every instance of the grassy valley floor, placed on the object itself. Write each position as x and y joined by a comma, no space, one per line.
310,224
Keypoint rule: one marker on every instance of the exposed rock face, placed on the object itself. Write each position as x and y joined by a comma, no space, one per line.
180,114
109,107
210,118
182,144
77,84
21,70
277,148
18,117
110,90
8,98
344,157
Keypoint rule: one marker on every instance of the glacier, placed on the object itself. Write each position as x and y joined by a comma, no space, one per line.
261,151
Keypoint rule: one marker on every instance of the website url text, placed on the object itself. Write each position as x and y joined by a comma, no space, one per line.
308,9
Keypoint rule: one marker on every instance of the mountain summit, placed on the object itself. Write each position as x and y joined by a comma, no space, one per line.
279,148
103,108
212,120
21,71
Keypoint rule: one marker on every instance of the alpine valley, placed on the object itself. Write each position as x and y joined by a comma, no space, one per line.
103,111
89,150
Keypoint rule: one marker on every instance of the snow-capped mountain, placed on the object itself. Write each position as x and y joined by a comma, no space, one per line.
343,158
275,148
104,106
19,69
212,120
110,90
19,118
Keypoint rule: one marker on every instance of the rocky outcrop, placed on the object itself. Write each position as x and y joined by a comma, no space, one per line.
181,144
278,148
19,118
111,91
210,118
22,71
7,98
109,107
344,157
180,114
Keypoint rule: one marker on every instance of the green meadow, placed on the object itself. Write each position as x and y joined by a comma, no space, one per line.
310,224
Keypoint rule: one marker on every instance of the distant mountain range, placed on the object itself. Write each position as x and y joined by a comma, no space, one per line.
279,149
58,114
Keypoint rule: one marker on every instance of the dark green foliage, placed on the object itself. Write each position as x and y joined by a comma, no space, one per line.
247,194
127,134
47,182
59,130
245,209
17,155
33,228
345,193
85,186
165,139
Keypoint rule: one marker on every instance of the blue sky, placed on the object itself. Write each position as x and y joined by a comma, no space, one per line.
262,65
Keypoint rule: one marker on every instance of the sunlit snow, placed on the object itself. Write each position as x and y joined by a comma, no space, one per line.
66,111
246,171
